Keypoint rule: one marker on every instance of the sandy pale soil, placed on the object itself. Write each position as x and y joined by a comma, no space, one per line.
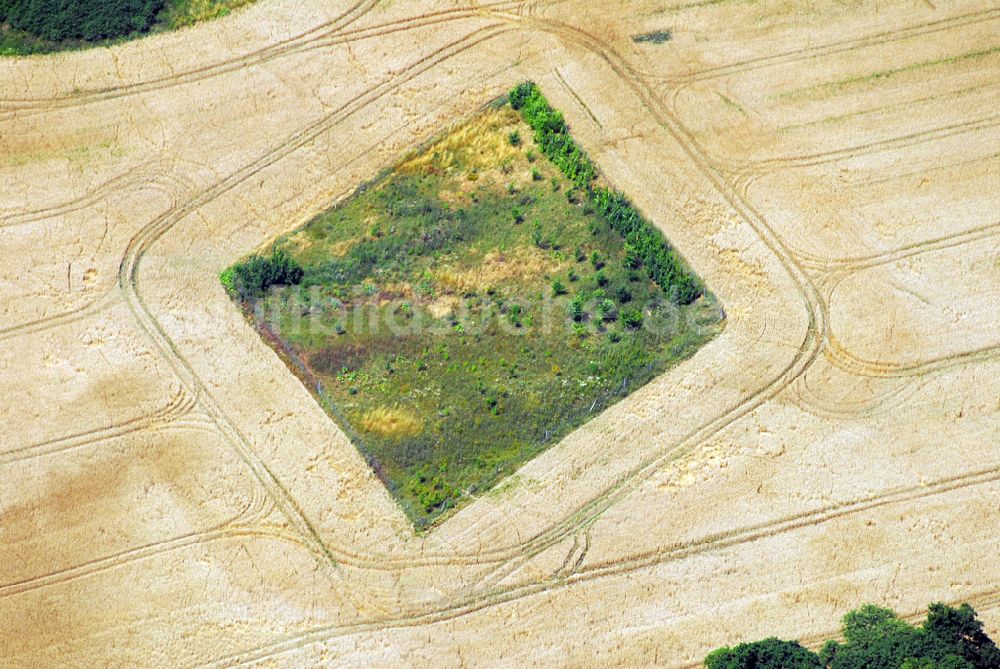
172,496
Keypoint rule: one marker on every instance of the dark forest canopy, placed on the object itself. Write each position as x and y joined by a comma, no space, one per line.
90,20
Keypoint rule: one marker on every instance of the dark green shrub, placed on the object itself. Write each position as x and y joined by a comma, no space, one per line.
431,489
538,235
514,315
608,310
631,318
655,37
252,277
632,258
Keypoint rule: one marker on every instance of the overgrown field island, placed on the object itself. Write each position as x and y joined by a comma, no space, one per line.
474,304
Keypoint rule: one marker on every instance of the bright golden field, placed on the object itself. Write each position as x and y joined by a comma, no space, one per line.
172,496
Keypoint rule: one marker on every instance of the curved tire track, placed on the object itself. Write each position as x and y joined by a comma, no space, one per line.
329,34
180,404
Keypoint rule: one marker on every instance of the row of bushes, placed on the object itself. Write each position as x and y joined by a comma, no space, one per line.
662,263
876,638
60,20
252,277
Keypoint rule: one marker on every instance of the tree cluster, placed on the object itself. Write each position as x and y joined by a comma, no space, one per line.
876,638
252,277
647,244
90,20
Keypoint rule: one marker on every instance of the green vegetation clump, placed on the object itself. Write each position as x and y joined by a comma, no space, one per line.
44,26
876,638
252,277
655,37
646,243
455,327
59,20
770,653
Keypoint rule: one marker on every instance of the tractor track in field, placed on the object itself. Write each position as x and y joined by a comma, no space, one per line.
172,186
127,276
131,262
132,178
609,568
349,16
850,264
818,341
255,510
61,318
181,404
747,173
842,358
983,600
146,552
837,269
330,34
841,46
877,405
591,511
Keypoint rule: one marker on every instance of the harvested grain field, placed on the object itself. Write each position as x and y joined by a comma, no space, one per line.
174,496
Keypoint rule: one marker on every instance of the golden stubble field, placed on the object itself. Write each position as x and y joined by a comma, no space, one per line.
172,496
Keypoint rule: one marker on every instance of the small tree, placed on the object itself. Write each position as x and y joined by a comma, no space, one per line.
608,310
631,318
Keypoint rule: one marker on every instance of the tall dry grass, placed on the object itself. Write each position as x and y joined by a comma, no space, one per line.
391,422
481,144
